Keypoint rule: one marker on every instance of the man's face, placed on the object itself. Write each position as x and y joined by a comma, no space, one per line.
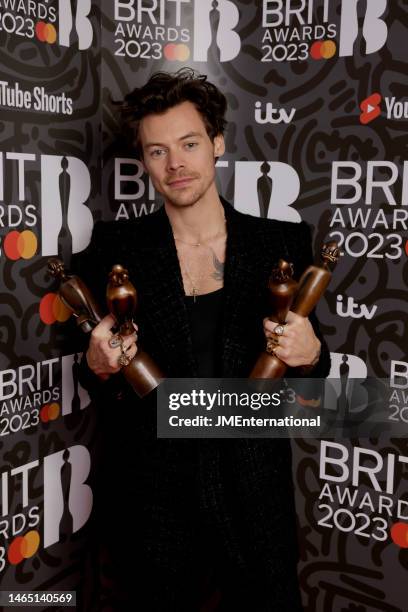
179,155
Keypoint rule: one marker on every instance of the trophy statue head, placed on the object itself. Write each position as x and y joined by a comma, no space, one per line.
56,268
330,252
118,275
282,273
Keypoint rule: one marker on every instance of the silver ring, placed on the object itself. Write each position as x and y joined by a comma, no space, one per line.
115,341
279,329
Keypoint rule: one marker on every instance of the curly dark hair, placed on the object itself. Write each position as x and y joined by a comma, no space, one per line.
163,91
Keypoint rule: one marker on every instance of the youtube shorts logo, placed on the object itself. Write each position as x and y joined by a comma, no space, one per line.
370,108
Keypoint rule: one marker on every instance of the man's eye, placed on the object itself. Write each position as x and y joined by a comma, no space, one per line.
191,145
157,152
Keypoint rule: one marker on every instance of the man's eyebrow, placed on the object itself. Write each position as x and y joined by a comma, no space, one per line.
160,144
191,135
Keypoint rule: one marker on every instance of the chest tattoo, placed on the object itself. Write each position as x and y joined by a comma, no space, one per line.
218,273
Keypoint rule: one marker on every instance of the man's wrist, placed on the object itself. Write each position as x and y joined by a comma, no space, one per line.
317,355
306,369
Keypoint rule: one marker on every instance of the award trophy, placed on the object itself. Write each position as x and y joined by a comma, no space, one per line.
141,372
76,296
301,298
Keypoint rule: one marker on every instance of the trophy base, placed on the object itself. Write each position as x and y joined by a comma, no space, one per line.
268,366
143,374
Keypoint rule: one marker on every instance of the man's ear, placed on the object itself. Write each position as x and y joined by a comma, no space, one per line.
219,145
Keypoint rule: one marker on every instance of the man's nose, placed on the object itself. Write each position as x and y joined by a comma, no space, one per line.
174,160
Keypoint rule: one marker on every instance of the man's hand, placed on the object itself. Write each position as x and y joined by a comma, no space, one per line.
298,345
101,358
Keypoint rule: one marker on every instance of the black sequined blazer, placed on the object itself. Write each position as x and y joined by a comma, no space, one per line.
146,248
250,478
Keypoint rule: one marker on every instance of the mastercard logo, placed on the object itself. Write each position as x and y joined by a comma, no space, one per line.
399,534
311,403
23,547
178,53
50,412
45,32
406,247
52,309
323,49
20,244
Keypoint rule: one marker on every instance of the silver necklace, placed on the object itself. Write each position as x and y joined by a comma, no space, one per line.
197,244
195,282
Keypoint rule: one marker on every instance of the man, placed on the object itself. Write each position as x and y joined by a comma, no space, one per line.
220,508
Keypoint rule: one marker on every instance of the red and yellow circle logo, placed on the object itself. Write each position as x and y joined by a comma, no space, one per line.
399,534
18,245
45,32
52,309
50,412
323,49
178,53
311,402
23,547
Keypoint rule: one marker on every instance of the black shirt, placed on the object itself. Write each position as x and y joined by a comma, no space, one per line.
205,315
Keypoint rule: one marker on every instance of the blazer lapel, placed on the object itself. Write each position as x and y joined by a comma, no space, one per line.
241,284
166,311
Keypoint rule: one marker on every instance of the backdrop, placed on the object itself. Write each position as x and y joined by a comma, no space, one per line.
318,110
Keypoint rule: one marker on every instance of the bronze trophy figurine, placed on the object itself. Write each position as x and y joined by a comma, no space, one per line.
141,372
301,298
76,296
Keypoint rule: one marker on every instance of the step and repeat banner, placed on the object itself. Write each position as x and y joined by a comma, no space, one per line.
317,131
49,198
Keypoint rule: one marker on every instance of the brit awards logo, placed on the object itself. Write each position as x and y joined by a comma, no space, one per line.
370,215
38,393
67,505
134,193
214,28
74,397
347,374
267,189
310,29
75,27
345,366
68,499
66,220
67,23
361,493
151,32
374,29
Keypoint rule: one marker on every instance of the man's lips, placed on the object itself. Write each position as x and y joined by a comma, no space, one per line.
181,182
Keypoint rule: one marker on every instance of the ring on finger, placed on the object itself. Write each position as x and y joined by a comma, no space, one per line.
270,347
279,330
123,359
115,341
